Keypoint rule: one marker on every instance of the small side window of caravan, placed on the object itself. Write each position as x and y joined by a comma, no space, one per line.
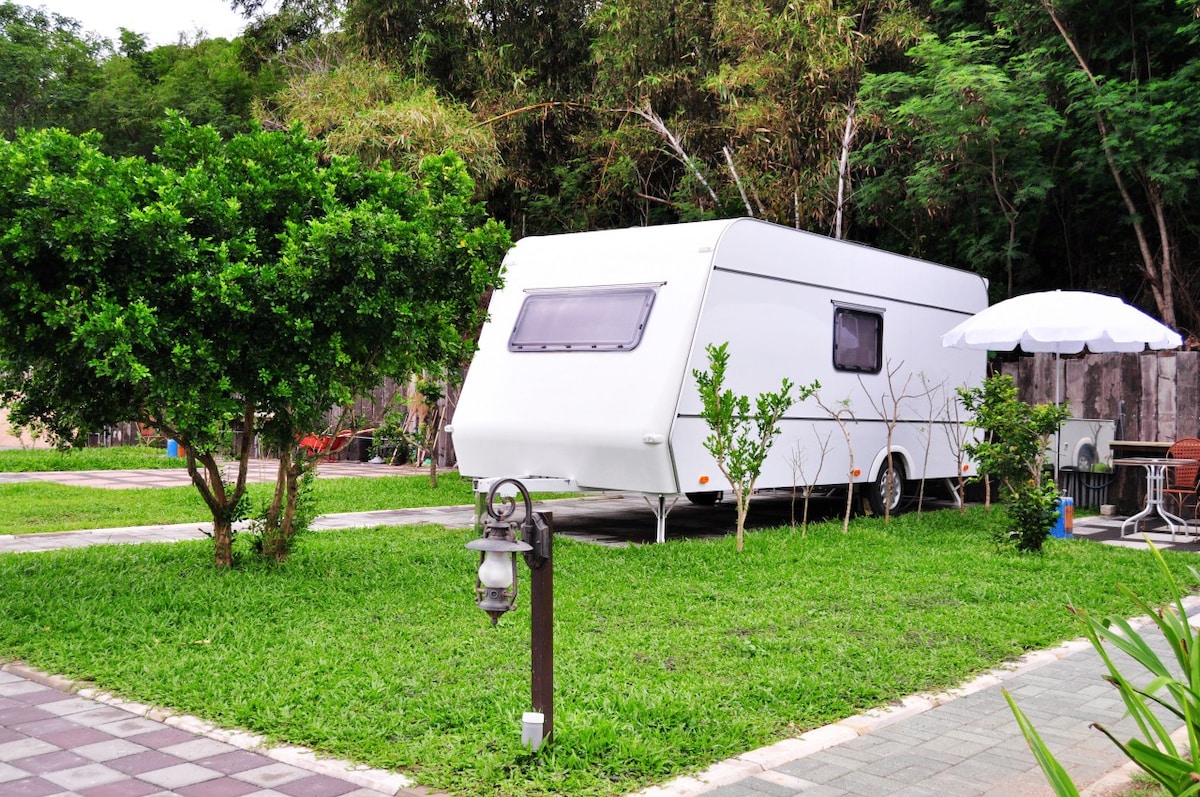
582,319
857,340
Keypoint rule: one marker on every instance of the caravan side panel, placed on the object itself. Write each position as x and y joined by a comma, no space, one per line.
773,297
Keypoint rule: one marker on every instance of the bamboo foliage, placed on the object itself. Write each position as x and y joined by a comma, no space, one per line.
790,72
363,108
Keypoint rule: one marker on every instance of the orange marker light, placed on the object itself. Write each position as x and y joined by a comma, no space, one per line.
704,480
857,472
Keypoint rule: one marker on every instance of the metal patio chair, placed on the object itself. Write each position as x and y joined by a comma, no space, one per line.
1183,482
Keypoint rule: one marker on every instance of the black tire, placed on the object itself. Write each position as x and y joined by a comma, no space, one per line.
880,500
704,499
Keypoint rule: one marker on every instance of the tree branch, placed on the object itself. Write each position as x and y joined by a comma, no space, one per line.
659,126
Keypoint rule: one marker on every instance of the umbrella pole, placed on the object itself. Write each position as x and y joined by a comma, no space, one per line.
1057,403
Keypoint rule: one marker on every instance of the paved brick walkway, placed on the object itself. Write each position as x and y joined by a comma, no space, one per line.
960,744
54,741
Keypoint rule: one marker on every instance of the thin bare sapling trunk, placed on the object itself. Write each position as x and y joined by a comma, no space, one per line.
843,416
959,435
931,394
888,409
797,462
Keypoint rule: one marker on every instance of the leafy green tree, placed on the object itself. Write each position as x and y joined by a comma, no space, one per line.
534,75
1104,202
276,27
1131,73
786,87
47,68
250,286
204,80
652,57
433,40
736,108
1013,451
963,140
740,441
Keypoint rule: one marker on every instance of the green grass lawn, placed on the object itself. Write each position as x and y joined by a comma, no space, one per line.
366,644
24,460
30,507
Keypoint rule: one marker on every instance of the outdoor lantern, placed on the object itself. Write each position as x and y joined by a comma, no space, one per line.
496,592
496,585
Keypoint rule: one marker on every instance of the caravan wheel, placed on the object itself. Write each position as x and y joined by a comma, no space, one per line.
881,499
705,499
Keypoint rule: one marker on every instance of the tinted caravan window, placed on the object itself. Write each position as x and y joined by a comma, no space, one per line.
857,340
584,319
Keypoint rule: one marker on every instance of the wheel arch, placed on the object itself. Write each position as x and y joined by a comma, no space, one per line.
899,454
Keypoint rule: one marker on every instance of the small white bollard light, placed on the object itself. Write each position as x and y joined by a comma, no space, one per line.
532,725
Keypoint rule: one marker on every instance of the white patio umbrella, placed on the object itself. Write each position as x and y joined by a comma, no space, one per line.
1062,322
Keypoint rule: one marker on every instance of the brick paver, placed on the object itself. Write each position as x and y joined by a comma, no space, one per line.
55,743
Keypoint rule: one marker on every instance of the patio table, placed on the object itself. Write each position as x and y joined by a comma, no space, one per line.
1156,479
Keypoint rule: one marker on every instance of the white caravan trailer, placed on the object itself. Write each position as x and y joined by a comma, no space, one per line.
583,378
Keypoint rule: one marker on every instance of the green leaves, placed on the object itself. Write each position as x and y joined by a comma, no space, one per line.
741,441
1014,448
253,278
966,136
1058,778
1013,452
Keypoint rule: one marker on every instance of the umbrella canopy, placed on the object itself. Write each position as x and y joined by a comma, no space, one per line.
1062,322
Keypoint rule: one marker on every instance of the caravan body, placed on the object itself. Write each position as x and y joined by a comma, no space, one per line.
584,369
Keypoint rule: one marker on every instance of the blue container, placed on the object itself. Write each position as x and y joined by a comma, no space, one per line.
172,448
1064,525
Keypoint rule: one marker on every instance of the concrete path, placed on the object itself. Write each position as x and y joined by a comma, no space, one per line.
260,470
61,738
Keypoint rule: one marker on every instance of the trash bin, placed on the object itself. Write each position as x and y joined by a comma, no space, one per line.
1064,525
172,448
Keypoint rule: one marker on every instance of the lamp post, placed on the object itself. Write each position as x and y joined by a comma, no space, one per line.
496,593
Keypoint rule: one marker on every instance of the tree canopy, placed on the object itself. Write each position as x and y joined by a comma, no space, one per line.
247,285
1044,145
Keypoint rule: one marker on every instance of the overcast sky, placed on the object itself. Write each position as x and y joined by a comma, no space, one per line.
161,21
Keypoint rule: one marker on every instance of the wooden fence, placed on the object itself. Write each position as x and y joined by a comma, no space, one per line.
1153,395
366,412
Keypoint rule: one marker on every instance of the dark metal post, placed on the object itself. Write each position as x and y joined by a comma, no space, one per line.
541,621
496,593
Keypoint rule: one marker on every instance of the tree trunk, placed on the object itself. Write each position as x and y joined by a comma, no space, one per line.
279,526
222,542
743,506
270,529
1160,275
220,502
843,172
